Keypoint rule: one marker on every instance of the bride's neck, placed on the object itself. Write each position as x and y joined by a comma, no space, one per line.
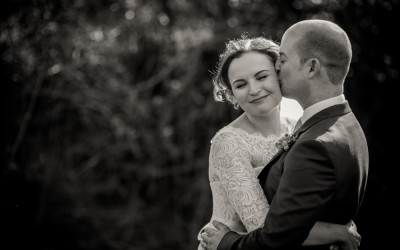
267,125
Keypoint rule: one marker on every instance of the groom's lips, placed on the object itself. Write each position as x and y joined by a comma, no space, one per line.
258,99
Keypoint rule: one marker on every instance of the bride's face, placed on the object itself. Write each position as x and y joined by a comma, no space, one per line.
254,83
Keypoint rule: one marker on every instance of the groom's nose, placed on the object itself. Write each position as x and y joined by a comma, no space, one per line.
278,66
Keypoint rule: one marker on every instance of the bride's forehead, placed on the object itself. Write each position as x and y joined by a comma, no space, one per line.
250,65
251,59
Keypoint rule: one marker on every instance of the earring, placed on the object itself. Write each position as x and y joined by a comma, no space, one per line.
236,105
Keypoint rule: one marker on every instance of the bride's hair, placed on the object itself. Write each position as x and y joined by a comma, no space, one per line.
234,49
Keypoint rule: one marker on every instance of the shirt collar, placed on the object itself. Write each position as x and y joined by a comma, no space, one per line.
315,108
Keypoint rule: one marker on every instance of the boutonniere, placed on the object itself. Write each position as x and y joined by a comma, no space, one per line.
286,141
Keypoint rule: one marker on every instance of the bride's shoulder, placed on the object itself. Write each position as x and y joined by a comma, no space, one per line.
231,132
227,133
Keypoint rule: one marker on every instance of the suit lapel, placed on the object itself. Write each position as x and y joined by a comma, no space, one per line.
336,110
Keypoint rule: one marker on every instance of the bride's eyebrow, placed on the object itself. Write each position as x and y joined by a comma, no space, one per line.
261,71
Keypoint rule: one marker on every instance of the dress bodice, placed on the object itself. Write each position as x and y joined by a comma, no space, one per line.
236,159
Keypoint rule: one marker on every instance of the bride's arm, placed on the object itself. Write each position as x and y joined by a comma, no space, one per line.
330,233
231,159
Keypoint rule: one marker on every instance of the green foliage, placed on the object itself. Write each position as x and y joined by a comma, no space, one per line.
109,110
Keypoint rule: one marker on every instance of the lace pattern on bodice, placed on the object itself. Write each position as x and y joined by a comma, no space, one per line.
236,159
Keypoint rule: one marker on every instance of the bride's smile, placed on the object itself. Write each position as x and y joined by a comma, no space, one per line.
259,99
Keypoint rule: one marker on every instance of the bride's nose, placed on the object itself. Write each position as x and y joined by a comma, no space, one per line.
254,88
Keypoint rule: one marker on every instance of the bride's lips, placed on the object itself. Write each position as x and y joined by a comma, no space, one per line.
259,99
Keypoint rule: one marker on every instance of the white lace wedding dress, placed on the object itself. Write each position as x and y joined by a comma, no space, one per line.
236,158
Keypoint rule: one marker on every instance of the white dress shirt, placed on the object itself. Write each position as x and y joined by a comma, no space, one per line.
315,108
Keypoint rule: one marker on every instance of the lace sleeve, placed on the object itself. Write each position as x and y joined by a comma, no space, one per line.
231,163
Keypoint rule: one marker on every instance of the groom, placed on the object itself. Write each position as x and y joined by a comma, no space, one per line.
323,176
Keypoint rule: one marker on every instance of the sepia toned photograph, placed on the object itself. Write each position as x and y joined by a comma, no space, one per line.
199,124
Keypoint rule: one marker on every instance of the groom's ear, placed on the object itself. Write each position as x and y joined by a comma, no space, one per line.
314,66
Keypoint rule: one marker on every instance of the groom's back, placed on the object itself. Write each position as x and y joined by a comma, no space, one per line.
322,177
347,144
344,141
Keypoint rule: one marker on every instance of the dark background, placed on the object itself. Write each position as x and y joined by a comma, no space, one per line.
108,114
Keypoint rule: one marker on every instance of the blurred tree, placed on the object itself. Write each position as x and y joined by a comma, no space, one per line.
108,113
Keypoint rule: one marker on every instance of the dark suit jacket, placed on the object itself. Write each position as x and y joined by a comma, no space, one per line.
322,177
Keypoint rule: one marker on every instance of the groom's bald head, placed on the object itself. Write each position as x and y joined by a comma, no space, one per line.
325,41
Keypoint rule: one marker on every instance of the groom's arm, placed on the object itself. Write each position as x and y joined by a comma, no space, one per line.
229,241
305,189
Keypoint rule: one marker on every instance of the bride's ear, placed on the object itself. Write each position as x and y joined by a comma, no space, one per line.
232,99
235,104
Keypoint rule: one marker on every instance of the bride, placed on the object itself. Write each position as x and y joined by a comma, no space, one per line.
247,79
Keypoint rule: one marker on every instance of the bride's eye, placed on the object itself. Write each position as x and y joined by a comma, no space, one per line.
261,78
240,85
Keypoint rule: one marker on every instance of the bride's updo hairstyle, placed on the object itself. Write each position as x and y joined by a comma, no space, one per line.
235,48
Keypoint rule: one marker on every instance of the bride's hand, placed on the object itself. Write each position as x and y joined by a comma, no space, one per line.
351,239
211,237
